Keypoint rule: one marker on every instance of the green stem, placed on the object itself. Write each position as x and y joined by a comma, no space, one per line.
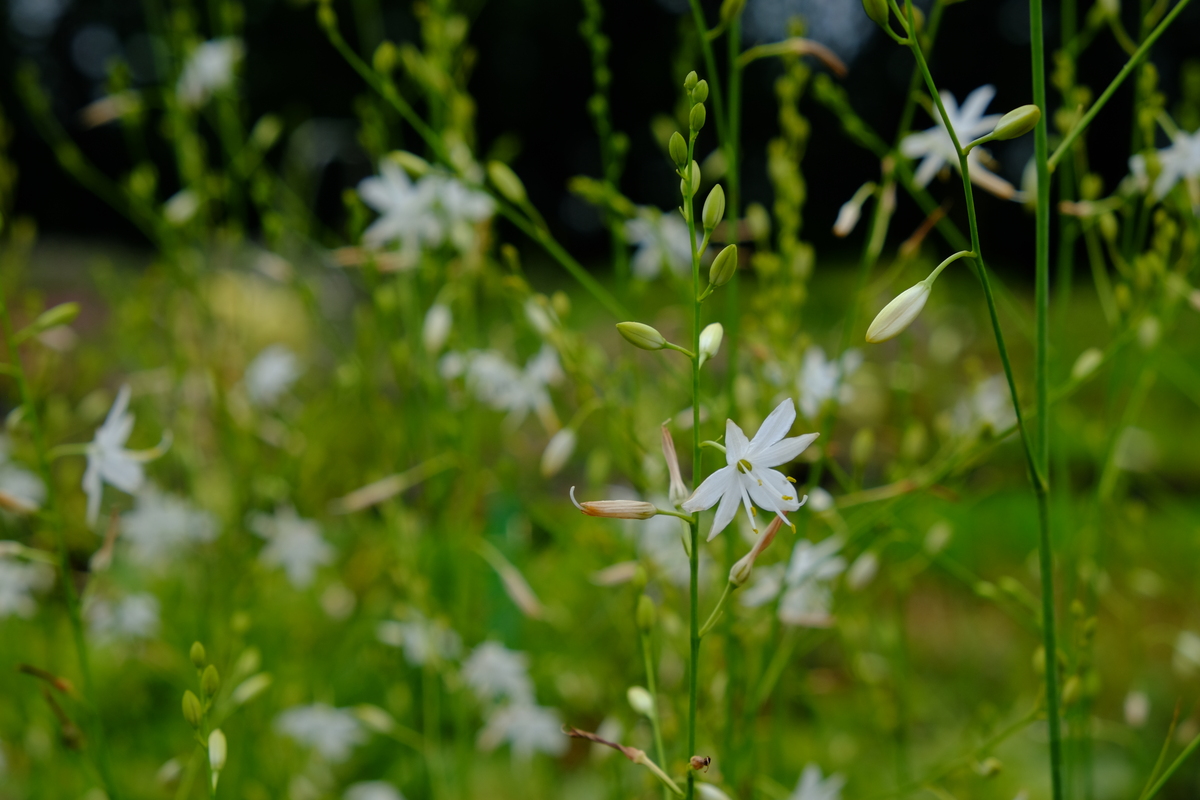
659,752
716,612
694,554
54,518
1129,67
714,86
1175,765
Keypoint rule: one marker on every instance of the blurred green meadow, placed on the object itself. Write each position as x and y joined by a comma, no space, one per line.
291,491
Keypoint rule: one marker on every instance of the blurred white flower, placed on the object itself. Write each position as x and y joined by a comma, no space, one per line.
19,582
107,459
1137,709
768,583
420,638
813,786
22,487
372,790
527,728
936,149
805,584
748,476
181,207
709,792
493,672
208,70
435,331
424,214
820,500
821,379
503,386
131,618
1186,659
271,374
558,451
661,238
1136,450
988,406
332,732
1179,161
293,543
863,570
659,541
162,526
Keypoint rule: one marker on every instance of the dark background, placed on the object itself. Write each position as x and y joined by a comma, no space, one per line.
533,77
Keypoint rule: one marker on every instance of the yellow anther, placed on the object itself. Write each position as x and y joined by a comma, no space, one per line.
744,466
790,478
754,513
788,497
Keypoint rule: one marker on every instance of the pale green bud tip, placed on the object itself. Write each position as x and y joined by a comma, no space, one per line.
411,163
710,341
877,10
641,335
691,80
898,314
700,93
640,701
714,208
730,9
198,656
678,150
723,266
385,58
217,750
61,314
192,710
645,614
506,181
697,118
1017,122
615,509
210,681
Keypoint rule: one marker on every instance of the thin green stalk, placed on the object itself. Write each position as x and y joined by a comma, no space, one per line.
651,686
52,516
1175,765
731,141
710,64
694,525
1129,67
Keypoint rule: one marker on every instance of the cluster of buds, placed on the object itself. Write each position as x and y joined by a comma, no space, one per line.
196,711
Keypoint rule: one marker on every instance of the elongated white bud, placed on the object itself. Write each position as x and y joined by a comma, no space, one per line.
678,491
435,331
851,211
710,341
557,451
615,509
640,701
898,314
642,335
217,751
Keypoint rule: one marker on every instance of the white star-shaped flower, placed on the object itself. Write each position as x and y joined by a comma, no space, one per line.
748,477
661,238
814,786
293,543
1179,161
405,209
822,379
936,149
332,732
208,70
107,459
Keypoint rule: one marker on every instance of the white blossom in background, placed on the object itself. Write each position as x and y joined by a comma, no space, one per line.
935,148
181,207
131,618
822,379
1179,161
814,786
209,69
527,729
500,384
436,329
804,588
20,484
420,638
493,672
271,374
707,791
19,582
107,459
293,543
989,405
162,527
558,451
372,790
1136,709
331,732
748,478
863,570
422,214
1186,658
659,541
661,239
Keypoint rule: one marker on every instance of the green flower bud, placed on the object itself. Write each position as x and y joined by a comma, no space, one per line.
506,181
714,208
691,186
50,318
193,712
898,314
198,656
641,335
700,93
411,163
645,614
210,681
877,10
678,150
697,117
723,266
385,58
690,81
1017,122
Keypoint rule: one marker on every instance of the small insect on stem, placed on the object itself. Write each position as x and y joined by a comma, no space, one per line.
700,762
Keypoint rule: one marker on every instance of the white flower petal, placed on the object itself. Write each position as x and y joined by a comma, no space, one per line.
709,492
774,428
